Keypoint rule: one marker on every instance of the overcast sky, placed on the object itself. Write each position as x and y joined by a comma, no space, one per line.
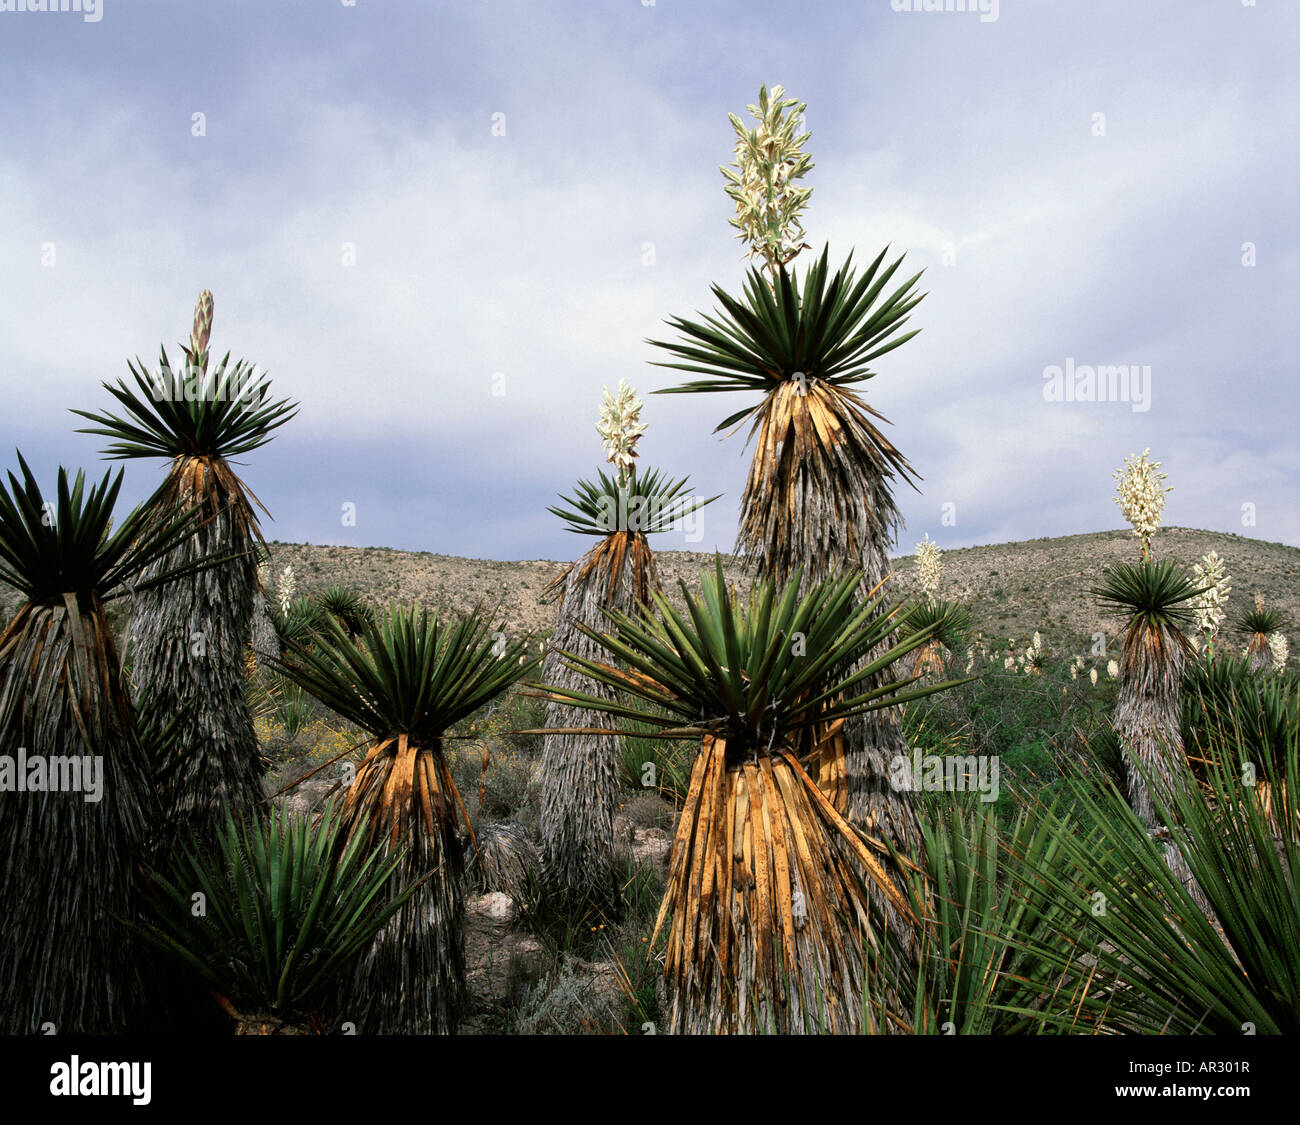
1079,179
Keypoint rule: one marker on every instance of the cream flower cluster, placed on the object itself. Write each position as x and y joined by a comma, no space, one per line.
285,589
928,567
769,159
1140,495
1278,648
1208,607
620,426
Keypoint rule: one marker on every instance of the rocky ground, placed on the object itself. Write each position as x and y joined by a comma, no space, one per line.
502,958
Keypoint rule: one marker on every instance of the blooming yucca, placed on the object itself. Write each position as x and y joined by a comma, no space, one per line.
1112,669
1141,497
1092,675
285,590
1212,574
1278,649
620,426
928,567
769,159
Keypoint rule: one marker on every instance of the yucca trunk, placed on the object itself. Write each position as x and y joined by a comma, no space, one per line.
71,865
411,980
1147,720
817,497
771,918
579,772
1147,716
189,643
264,641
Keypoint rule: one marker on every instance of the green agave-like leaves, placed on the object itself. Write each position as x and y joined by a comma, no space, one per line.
949,621
221,413
409,672
649,503
1153,593
1166,967
288,906
831,330
755,670
67,545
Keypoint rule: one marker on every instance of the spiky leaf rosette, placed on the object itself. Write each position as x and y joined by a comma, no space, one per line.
189,641
290,905
623,512
817,495
347,607
1256,625
1154,598
1168,963
70,867
407,679
1002,956
1261,712
949,626
768,886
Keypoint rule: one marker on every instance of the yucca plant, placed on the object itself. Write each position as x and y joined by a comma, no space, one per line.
71,856
1154,599
347,607
767,889
287,907
1167,963
579,771
1256,625
406,680
949,625
1001,955
1228,706
189,640
818,495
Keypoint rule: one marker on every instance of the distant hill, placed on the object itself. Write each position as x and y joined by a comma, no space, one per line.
1011,588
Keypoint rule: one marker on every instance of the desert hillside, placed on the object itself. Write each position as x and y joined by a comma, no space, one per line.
1011,588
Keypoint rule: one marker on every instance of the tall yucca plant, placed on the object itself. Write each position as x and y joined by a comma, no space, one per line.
71,858
949,623
1154,599
818,495
189,640
407,679
579,771
767,890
